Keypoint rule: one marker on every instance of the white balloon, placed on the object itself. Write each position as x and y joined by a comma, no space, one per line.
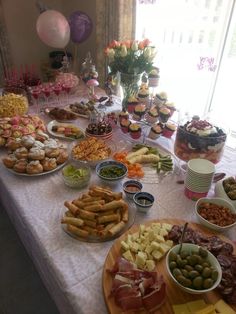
53,29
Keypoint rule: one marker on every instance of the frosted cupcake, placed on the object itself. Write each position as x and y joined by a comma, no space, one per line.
169,129
131,104
152,115
143,93
160,99
139,111
123,115
155,131
171,107
153,78
135,130
124,124
164,114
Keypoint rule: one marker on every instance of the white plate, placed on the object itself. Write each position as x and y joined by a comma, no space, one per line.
56,123
37,174
77,114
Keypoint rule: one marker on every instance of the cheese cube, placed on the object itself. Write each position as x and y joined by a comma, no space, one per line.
141,229
148,249
166,226
163,232
223,308
135,236
180,309
134,247
156,224
156,229
151,235
127,255
149,256
140,259
159,238
155,245
196,305
169,243
208,309
150,265
164,248
157,254
124,246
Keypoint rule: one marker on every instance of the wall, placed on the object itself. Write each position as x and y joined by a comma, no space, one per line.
21,17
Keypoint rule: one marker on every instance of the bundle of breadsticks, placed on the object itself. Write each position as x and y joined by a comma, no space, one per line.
99,212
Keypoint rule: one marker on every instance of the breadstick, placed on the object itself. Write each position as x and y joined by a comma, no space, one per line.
117,195
77,231
92,199
68,214
104,232
77,203
90,223
116,228
114,205
72,221
72,208
109,212
94,208
108,218
125,214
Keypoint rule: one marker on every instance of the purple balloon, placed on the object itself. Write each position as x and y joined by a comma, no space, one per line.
80,26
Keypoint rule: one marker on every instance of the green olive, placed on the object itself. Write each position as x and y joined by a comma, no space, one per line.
188,267
197,282
202,252
206,264
172,256
193,274
184,262
183,254
176,272
214,274
206,272
207,283
184,281
172,265
198,268
185,273
193,260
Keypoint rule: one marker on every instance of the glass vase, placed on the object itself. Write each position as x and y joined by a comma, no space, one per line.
129,87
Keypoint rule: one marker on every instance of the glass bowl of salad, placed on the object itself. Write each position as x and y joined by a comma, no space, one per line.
76,175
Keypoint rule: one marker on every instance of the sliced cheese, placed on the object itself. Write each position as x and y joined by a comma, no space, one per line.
159,238
208,309
134,247
196,305
163,232
181,309
128,255
157,255
124,245
150,265
223,307
155,245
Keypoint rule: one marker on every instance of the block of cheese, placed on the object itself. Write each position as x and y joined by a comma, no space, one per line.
223,307
197,305
181,309
208,309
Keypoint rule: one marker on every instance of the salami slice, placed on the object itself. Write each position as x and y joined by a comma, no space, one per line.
224,261
227,249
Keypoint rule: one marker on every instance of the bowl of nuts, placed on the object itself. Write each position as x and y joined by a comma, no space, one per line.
216,213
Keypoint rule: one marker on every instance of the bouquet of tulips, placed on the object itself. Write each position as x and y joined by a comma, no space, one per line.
130,56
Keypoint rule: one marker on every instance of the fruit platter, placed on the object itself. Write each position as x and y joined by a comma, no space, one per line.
138,271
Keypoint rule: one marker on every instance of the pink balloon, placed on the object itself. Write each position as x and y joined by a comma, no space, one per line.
53,29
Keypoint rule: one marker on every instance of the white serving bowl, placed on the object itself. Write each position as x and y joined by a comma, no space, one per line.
109,164
189,247
220,192
220,202
139,200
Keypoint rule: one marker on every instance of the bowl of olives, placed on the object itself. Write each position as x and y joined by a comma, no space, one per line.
226,189
193,269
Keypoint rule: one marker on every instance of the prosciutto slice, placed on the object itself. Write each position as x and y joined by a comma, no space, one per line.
134,289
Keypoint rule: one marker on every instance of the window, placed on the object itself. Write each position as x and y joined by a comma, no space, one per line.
196,53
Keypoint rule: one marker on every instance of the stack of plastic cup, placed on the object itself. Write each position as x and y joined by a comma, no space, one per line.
198,180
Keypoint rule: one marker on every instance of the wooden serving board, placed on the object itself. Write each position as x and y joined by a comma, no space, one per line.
174,295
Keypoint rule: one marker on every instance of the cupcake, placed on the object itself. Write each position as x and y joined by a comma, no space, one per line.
131,104
171,107
123,115
139,111
160,99
153,78
164,114
152,115
169,129
135,130
143,93
124,123
155,131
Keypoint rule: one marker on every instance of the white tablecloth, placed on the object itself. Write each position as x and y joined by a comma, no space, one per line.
70,269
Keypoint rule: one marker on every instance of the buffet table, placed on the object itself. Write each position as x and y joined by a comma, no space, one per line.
70,269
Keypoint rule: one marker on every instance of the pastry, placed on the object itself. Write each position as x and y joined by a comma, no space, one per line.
171,107
39,144
49,164
164,114
131,104
123,115
135,130
9,161
155,131
20,165
153,78
52,152
139,111
63,156
41,136
51,143
36,153
27,141
34,167
21,153
13,143
124,123
169,129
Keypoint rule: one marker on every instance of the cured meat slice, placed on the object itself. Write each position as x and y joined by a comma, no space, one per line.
224,261
131,303
227,249
155,299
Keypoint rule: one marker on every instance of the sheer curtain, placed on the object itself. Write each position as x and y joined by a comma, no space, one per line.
115,20
5,54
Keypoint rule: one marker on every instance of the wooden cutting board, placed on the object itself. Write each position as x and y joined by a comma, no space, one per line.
174,294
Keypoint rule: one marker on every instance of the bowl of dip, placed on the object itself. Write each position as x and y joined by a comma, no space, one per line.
132,187
143,201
